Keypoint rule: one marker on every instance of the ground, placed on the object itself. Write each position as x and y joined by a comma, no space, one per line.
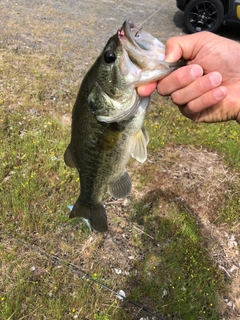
196,180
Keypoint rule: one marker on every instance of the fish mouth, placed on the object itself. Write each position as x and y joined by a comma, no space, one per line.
129,31
137,37
140,45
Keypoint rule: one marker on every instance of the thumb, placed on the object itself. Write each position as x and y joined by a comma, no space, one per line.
173,51
184,47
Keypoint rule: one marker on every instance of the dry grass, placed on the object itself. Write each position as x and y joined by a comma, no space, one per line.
201,182
183,204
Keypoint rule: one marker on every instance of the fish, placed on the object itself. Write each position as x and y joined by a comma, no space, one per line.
108,119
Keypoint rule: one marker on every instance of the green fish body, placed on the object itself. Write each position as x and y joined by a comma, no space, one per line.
107,122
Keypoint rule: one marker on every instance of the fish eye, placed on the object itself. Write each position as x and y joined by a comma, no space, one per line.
109,56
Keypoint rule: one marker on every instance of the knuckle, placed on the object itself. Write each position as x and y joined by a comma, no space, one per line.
175,97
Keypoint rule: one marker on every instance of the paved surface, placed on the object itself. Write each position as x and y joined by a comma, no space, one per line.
81,28
77,30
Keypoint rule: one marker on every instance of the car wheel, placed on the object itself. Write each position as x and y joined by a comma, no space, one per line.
203,15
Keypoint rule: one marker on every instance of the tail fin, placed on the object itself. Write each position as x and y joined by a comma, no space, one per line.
95,214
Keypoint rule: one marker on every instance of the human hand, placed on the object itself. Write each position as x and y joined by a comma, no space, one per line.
208,88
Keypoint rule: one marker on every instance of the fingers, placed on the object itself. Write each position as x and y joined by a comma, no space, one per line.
173,50
197,88
188,87
146,90
193,92
178,79
186,47
199,108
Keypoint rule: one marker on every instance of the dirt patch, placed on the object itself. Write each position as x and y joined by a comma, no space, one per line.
200,181
197,180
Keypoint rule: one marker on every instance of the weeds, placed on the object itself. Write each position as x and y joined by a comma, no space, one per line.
169,126
178,273
166,267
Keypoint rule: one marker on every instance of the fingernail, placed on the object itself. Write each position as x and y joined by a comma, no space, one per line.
196,72
215,79
169,58
219,93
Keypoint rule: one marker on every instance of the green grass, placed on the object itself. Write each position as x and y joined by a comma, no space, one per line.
174,274
177,273
53,295
169,126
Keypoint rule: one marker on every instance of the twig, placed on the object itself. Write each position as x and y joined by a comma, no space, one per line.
143,232
30,313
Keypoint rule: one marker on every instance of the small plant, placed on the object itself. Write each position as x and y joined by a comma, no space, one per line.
155,235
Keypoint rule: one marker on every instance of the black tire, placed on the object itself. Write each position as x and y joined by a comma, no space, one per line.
203,15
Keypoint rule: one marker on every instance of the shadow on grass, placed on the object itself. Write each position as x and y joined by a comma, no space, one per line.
175,276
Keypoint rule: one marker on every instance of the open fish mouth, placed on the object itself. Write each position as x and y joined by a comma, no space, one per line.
130,31
141,45
134,35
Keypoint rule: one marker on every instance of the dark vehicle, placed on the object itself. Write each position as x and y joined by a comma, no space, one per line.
209,15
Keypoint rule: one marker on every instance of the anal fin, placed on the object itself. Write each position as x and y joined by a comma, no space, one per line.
121,188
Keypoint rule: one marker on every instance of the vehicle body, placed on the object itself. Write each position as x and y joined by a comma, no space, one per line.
209,15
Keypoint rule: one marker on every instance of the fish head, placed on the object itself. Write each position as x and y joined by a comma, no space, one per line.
114,69
132,57
113,90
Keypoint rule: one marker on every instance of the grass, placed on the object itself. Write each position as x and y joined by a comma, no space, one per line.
169,126
172,274
177,274
38,295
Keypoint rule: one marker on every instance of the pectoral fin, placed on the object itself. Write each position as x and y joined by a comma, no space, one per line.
139,145
121,188
109,138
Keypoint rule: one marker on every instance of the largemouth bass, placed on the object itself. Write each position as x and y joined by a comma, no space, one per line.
108,116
